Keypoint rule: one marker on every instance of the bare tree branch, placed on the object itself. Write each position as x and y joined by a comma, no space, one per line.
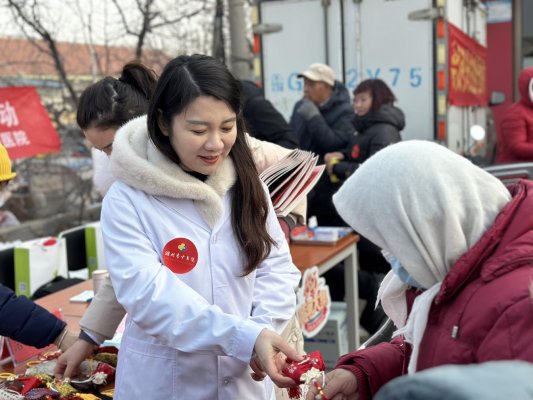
34,23
181,17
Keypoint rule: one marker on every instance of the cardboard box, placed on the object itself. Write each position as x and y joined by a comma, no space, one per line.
332,340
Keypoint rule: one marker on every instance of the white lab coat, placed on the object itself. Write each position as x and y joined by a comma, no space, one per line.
191,335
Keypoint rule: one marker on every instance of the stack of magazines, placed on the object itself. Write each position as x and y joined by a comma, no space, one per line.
290,179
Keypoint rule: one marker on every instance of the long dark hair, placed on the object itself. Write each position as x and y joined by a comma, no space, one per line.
184,79
111,102
380,92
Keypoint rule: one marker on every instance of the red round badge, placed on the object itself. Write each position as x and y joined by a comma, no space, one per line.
180,255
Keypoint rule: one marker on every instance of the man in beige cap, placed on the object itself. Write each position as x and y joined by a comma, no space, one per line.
319,80
322,120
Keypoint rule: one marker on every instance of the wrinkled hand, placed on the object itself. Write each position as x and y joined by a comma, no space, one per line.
69,339
307,109
331,159
270,353
68,363
335,155
340,385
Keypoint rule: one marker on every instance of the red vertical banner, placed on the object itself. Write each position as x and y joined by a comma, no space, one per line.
467,70
25,127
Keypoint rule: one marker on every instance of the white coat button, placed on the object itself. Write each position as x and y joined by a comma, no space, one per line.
227,381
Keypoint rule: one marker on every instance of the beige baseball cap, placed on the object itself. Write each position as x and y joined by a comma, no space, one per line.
320,73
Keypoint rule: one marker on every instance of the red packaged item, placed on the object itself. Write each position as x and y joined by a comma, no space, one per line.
308,371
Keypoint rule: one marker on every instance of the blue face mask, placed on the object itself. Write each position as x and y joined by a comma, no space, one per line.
401,272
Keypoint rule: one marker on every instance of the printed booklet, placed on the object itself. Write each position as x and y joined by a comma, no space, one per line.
290,179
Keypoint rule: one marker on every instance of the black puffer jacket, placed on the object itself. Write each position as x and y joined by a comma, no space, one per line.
329,131
26,322
263,121
375,131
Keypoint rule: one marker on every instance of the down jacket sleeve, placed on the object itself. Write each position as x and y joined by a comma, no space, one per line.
378,137
319,136
376,365
104,314
509,338
26,322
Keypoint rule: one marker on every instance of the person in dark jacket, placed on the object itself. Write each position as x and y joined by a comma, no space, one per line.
263,121
460,244
377,123
20,318
322,120
27,322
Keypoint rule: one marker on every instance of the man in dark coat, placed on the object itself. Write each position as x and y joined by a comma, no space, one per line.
263,121
322,120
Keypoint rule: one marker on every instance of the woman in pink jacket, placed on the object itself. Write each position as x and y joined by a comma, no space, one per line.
461,249
515,137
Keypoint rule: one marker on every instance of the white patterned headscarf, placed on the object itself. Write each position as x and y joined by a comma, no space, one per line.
427,206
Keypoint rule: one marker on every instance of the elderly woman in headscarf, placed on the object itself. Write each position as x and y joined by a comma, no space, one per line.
460,245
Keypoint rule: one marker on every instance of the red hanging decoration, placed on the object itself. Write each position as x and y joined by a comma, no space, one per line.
305,371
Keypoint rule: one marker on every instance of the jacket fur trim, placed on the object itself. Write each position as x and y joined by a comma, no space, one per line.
137,162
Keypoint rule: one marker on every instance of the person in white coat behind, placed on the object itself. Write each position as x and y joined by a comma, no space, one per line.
195,252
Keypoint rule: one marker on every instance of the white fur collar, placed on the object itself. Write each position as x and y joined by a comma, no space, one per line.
137,162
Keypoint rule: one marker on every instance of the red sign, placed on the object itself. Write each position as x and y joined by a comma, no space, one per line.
313,303
467,63
25,128
180,255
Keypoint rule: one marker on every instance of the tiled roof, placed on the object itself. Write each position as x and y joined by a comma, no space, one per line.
20,57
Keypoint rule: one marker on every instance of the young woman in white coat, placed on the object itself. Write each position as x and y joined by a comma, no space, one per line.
103,108
195,252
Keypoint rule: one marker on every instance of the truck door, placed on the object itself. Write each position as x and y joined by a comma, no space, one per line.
400,52
311,31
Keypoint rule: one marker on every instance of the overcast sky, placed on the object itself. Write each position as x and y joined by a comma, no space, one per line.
98,21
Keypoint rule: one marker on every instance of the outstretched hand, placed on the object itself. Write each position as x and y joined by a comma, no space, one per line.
270,353
340,384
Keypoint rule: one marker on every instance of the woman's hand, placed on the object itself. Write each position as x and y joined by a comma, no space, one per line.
68,363
67,340
340,384
331,159
270,353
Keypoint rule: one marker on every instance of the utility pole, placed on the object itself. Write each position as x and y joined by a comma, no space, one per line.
241,55
218,33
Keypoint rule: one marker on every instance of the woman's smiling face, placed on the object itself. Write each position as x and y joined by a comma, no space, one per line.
203,134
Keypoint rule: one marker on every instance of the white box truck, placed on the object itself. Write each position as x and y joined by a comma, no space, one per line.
404,42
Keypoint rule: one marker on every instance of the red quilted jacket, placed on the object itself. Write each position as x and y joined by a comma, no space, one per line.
483,312
515,137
